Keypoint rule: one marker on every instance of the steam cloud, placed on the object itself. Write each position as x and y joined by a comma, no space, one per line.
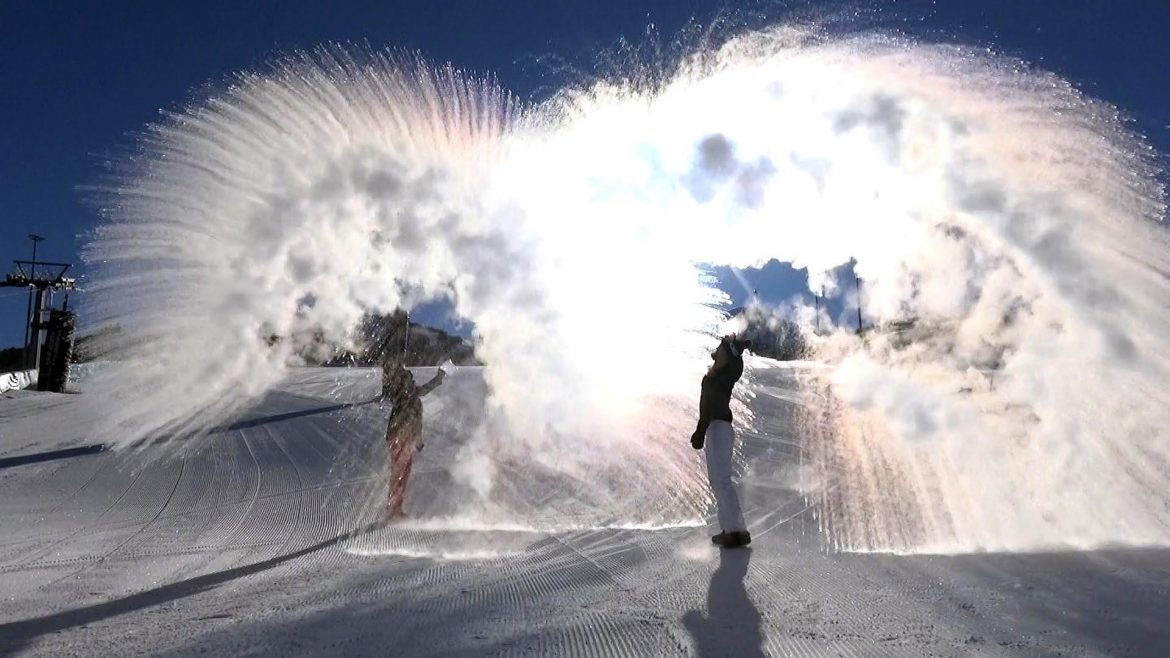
1016,220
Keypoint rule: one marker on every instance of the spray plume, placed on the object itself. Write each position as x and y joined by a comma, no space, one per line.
1015,220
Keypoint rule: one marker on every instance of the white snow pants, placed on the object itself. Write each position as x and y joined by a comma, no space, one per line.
719,444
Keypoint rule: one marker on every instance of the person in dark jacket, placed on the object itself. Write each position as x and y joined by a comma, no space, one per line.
716,436
404,429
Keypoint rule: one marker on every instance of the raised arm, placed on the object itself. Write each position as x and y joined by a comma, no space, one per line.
431,385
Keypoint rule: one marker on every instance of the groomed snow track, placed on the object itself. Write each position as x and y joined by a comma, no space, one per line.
260,539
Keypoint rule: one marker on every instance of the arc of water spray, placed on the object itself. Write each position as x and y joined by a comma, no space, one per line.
1015,217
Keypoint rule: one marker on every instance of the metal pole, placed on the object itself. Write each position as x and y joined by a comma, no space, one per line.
826,299
38,310
406,339
28,319
857,279
28,325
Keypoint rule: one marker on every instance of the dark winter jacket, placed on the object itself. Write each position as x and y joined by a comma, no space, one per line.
715,400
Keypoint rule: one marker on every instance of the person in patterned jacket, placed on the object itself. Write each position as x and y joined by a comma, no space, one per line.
404,429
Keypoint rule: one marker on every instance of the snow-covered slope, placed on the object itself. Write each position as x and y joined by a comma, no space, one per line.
262,538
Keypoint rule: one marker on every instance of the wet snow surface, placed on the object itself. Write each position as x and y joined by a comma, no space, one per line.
260,539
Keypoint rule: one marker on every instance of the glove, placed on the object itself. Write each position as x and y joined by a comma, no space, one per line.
697,440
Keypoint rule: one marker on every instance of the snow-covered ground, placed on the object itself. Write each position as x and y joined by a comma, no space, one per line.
261,538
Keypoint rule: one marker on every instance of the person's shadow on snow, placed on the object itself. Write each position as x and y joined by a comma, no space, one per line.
731,626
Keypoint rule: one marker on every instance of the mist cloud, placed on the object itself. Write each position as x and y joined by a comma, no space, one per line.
1001,213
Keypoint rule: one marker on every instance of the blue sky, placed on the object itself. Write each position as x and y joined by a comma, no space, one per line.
79,78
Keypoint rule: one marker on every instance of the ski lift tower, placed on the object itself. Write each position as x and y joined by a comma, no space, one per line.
42,279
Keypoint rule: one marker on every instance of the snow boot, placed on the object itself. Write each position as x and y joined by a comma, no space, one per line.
733,539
